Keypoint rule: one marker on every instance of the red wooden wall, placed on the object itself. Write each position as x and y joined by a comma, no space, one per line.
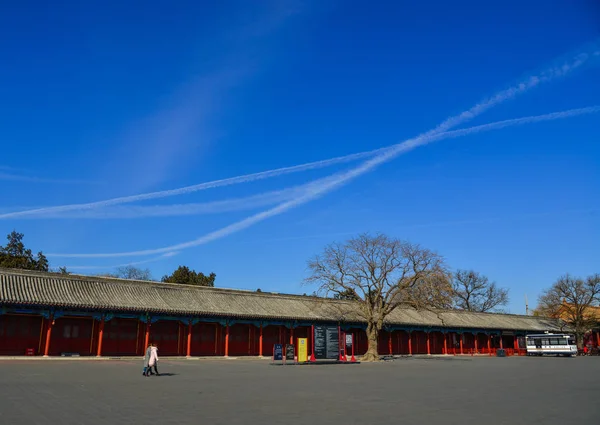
204,337
166,334
126,337
72,335
270,338
121,337
18,333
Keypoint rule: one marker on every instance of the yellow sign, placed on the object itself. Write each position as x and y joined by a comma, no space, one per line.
302,350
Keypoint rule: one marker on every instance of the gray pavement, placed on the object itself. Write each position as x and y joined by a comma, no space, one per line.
432,391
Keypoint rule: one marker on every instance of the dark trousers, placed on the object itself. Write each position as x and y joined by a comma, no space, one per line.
149,369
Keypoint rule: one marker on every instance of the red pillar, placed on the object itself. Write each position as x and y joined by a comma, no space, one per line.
147,337
501,344
227,340
260,342
598,339
410,343
353,359
445,344
189,340
390,348
428,345
475,337
312,345
48,335
461,343
292,336
489,344
100,337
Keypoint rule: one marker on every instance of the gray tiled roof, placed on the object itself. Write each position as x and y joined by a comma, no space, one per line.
23,287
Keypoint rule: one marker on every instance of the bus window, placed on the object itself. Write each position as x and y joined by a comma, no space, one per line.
538,342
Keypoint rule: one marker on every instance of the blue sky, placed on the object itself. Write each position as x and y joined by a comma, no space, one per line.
108,100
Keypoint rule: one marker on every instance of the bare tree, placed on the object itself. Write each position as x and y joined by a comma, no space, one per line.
432,292
131,273
475,292
377,274
570,299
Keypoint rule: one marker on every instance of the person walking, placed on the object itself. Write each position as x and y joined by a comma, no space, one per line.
153,360
147,360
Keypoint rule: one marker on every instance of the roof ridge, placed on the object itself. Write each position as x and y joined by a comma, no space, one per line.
123,283
488,313
117,280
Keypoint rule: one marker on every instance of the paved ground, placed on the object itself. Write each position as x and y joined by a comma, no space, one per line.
432,391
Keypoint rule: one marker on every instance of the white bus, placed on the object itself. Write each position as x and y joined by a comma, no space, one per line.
547,343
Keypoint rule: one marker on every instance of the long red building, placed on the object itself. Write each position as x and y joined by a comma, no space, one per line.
51,314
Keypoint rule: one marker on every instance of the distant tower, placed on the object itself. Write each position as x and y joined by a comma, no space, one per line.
526,306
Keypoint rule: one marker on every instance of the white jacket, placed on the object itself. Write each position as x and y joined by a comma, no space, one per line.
153,356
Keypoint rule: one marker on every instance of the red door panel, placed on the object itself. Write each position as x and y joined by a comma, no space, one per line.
18,333
204,337
71,335
120,337
270,338
165,334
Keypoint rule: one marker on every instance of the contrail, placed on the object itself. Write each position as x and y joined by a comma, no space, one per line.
272,197
327,184
193,208
247,178
135,263
547,75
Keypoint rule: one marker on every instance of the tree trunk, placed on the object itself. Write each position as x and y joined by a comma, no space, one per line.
372,354
579,337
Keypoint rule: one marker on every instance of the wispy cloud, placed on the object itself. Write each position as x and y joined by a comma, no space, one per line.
450,223
183,128
327,184
177,133
16,174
